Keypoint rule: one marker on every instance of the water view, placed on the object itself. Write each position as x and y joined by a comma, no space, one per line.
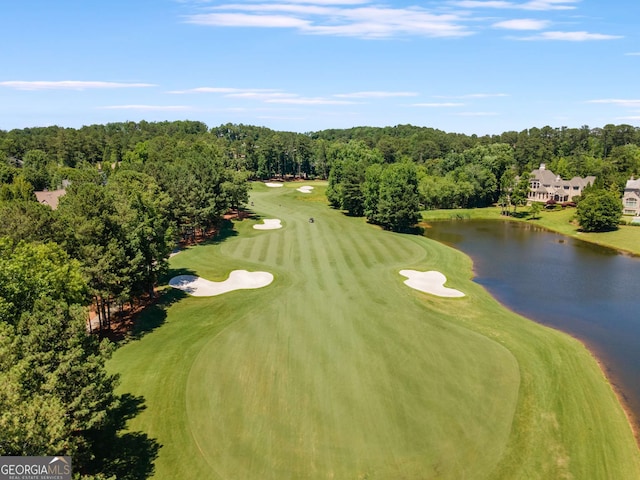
586,290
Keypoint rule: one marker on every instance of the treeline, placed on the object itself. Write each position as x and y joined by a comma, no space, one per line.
453,170
443,170
122,222
105,244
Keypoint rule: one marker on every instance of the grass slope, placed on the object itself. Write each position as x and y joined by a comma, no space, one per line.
338,370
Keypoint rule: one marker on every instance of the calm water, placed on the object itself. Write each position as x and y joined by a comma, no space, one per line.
591,292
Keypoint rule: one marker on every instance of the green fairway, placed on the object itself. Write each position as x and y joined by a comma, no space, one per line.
337,370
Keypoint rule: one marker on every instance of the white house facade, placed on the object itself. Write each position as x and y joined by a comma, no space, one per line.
544,185
631,198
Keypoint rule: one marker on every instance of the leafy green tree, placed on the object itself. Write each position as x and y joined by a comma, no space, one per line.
56,397
520,193
236,189
90,229
599,211
26,220
195,183
371,191
534,210
438,192
18,189
143,213
398,204
31,270
36,169
334,186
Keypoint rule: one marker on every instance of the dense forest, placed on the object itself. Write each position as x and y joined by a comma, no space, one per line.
133,190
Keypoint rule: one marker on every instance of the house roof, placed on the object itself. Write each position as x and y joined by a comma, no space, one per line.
632,184
50,198
549,179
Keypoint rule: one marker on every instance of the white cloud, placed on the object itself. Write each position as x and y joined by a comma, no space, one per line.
438,105
481,4
149,108
522,24
571,36
329,18
475,95
549,5
543,5
632,54
295,100
69,85
246,20
225,90
374,94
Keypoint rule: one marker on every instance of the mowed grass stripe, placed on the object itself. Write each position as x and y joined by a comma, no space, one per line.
328,412
366,380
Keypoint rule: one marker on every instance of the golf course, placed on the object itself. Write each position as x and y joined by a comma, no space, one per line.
335,368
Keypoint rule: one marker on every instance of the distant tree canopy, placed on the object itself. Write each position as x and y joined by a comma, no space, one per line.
204,170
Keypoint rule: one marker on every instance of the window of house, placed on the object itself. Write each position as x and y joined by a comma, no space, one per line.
630,202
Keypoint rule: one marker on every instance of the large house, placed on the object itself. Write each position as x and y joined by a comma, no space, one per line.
546,185
631,198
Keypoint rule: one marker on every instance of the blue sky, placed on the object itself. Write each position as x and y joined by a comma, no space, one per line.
468,66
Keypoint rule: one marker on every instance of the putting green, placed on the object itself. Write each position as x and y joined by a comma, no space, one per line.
339,370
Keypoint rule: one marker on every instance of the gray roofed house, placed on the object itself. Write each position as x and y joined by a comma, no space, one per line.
631,197
546,185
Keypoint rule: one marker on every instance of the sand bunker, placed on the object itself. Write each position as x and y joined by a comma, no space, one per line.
269,224
429,282
238,279
273,185
305,189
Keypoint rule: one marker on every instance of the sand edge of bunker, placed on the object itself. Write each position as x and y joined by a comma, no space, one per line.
430,282
238,280
269,224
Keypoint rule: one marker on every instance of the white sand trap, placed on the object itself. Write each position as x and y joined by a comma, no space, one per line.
273,185
430,282
305,189
269,224
238,279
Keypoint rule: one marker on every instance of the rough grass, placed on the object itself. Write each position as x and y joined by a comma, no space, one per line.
338,370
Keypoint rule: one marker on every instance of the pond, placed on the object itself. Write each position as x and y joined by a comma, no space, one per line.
588,291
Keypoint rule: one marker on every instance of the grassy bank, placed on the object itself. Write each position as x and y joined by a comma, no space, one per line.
625,239
339,370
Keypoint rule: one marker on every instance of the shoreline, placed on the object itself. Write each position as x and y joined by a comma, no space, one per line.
632,416
633,419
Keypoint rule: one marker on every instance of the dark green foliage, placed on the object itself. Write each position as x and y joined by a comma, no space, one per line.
56,397
371,191
599,211
26,220
32,270
398,207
